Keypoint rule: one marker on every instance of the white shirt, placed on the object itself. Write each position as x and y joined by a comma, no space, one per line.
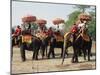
81,25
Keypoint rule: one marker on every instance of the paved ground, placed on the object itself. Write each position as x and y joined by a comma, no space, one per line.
48,65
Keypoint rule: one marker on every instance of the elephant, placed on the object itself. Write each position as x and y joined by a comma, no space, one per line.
33,46
79,44
55,44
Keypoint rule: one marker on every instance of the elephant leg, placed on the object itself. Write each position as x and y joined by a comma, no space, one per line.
12,52
22,50
33,55
50,51
36,55
84,52
46,50
53,53
80,52
89,54
18,43
49,54
66,50
75,56
43,52
34,51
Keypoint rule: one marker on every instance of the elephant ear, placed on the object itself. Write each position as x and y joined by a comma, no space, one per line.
85,37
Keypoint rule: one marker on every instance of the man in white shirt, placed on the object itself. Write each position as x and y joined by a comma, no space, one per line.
82,26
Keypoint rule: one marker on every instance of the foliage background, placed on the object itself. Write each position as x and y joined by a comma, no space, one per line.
73,17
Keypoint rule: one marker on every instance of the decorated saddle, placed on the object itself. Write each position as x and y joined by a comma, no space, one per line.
41,35
85,37
59,37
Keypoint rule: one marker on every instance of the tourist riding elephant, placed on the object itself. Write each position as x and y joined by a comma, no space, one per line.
78,43
81,44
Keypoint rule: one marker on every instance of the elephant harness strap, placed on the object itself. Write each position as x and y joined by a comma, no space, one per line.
84,35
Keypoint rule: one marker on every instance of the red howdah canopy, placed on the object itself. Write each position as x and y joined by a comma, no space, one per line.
41,22
28,19
84,16
58,21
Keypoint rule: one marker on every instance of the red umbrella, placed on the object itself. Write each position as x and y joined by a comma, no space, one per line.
58,21
29,19
41,22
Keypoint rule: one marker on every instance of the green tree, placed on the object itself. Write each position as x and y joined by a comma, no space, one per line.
92,26
82,8
72,18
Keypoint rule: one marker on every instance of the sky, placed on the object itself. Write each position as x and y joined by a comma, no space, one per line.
45,11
